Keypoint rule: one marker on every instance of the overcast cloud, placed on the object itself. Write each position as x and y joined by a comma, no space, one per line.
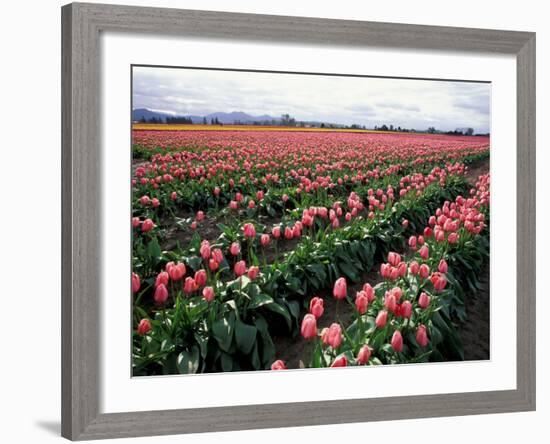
416,104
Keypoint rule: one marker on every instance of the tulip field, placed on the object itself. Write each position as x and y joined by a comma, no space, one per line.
345,248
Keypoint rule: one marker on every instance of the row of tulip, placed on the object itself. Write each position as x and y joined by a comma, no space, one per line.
408,316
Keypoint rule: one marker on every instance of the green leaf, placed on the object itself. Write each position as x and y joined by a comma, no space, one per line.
276,308
259,300
245,336
223,331
188,361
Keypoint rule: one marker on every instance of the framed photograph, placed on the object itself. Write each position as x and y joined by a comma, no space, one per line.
278,221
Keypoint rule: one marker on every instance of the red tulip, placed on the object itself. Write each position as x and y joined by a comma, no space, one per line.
309,326
340,289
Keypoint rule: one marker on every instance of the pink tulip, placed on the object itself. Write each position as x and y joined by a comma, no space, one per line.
406,309
162,278
397,341
233,205
200,277
438,280
144,327
147,225
161,294
235,249
414,268
394,259
364,355
361,302
144,200
155,202
423,300
424,271
253,272
412,242
341,361
240,268
332,336
278,365
208,294
405,223
175,271
340,289
422,336
381,319
249,230
174,195
136,283
190,285
200,216
390,302
217,255
276,232
264,239
316,307
309,327
205,250
452,238
443,267
135,222
213,264
369,291
289,233
424,252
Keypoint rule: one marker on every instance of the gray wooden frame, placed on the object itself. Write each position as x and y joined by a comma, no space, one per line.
81,26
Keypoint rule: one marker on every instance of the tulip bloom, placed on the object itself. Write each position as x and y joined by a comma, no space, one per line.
406,309
249,230
200,216
369,291
381,319
364,355
144,327
443,267
200,277
414,268
253,272
135,222
424,271
175,271
412,242
309,327
397,341
422,336
136,283
424,252
341,361
240,268
340,289
205,250
162,278
394,259
147,225
438,280
289,233
390,302
161,294
361,302
217,255
208,293
213,264
264,239
278,365
332,336
316,307
276,232
235,249
190,285
423,300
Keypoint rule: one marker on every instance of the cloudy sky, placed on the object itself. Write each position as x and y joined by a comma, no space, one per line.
416,104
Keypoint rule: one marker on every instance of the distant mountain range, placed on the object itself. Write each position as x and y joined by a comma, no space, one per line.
225,118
